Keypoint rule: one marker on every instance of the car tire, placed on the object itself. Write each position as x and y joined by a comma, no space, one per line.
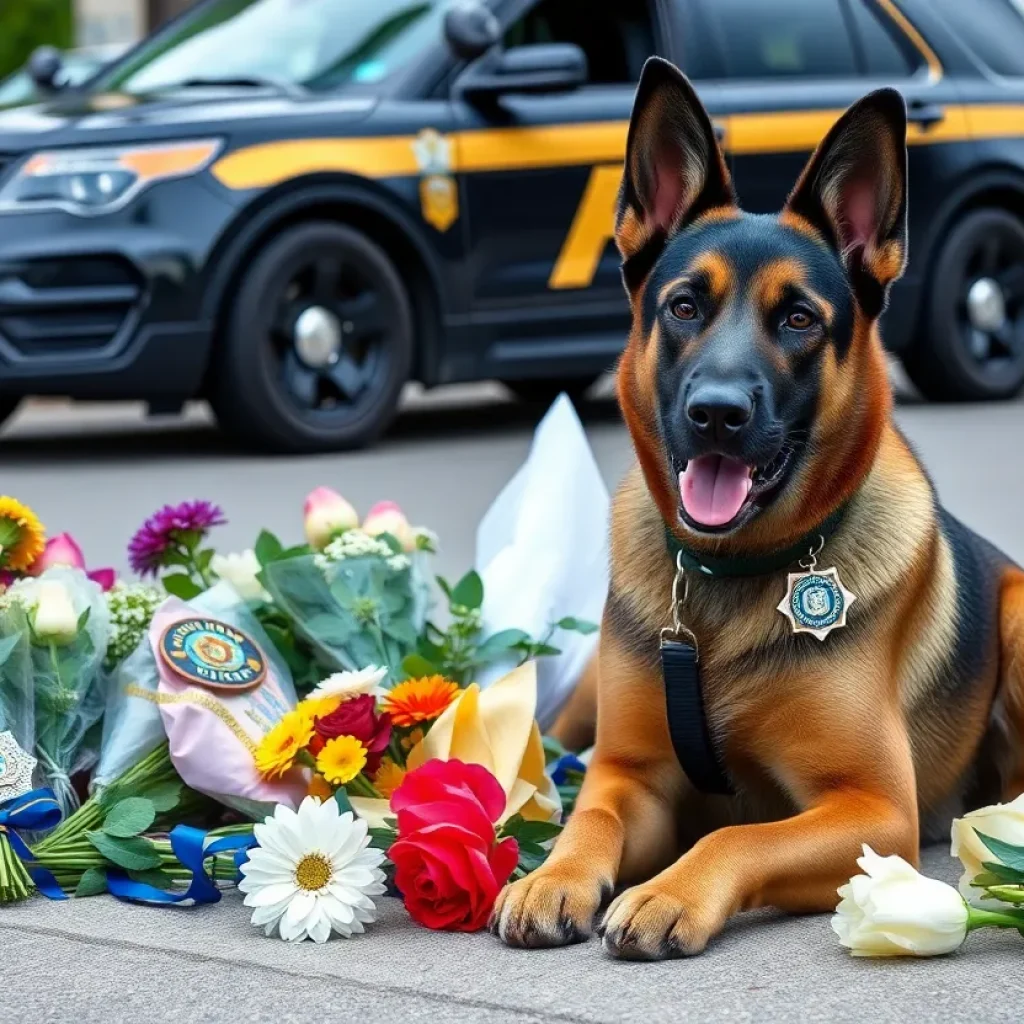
541,393
970,345
8,407
318,343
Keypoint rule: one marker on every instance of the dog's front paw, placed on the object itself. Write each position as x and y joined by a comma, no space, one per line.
649,922
551,907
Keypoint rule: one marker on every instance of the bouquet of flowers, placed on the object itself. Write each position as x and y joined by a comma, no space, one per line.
61,617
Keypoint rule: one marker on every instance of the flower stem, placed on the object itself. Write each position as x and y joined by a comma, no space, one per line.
978,918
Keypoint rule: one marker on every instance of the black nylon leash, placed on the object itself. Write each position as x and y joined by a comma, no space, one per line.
688,724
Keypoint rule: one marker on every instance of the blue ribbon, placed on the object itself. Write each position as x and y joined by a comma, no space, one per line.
560,768
189,845
36,811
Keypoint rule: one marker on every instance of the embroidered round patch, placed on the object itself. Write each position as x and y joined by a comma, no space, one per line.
213,654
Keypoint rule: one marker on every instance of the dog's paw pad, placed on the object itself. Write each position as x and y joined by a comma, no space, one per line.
545,910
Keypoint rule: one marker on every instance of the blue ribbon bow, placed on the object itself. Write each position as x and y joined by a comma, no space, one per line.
559,770
189,845
36,811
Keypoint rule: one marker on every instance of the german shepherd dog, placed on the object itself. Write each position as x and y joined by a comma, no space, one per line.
754,386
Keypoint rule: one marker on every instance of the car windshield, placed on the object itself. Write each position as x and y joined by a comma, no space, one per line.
314,44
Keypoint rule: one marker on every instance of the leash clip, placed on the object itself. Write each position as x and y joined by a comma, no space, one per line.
810,561
678,632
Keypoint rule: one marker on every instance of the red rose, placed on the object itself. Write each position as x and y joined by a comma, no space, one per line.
449,867
356,717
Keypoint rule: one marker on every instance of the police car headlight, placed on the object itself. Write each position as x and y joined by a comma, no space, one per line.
98,180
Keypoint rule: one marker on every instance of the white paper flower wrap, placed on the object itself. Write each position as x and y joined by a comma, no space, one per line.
542,552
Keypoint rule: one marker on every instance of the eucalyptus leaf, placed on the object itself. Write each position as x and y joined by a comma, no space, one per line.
129,817
538,831
574,625
132,854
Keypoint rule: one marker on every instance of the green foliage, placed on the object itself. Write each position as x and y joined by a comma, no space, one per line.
26,24
534,839
180,584
129,817
132,854
92,882
1011,856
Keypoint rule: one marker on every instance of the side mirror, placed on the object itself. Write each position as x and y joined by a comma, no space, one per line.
471,29
537,68
44,68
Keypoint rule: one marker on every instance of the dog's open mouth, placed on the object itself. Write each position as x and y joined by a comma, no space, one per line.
715,490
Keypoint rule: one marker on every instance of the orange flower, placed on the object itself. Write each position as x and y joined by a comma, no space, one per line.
415,736
419,700
320,787
388,778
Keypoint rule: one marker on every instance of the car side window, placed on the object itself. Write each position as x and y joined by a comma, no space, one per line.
886,52
616,35
783,38
993,30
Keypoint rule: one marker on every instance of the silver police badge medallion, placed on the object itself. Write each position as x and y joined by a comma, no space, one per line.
816,602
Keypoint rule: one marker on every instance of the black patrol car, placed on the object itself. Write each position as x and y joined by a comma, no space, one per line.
292,207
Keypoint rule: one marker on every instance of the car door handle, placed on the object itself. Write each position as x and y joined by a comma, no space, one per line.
925,114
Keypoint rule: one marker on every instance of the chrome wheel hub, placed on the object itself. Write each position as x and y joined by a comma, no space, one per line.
986,305
317,337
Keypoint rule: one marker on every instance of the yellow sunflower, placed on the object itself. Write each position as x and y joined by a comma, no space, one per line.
280,747
22,537
420,700
389,777
341,760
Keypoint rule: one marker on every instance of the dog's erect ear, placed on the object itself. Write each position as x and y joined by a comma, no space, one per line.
674,169
854,191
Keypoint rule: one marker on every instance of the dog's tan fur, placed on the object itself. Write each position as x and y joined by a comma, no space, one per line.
856,740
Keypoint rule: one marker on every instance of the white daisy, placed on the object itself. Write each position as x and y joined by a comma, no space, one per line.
312,873
350,684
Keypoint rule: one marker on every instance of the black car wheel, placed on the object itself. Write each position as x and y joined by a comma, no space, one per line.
319,343
541,393
971,345
8,407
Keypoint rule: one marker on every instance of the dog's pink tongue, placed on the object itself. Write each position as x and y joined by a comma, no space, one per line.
713,489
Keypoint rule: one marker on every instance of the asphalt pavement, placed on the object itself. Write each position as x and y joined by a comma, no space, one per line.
98,471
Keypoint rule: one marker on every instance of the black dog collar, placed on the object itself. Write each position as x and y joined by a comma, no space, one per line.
754,565
684,697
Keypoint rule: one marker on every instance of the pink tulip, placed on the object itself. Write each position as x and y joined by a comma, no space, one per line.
59,550
64,550
387,517
326,515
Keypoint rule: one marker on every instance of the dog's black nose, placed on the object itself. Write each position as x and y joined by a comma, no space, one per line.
719,412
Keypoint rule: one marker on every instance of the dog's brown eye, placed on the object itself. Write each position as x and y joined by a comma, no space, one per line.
684,309
799,320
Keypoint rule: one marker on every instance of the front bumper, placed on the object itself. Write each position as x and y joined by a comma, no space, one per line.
110,307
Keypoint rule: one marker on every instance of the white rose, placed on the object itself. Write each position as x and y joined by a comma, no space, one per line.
891,910
1000,821
54,617
240,571
350,684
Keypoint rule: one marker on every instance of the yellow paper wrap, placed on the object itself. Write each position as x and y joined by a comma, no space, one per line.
494,728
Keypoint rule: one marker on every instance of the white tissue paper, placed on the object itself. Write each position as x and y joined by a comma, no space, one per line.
542,551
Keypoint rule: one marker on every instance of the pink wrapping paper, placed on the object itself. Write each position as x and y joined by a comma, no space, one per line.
213,735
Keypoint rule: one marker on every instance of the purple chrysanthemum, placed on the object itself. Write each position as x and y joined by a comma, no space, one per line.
162,531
